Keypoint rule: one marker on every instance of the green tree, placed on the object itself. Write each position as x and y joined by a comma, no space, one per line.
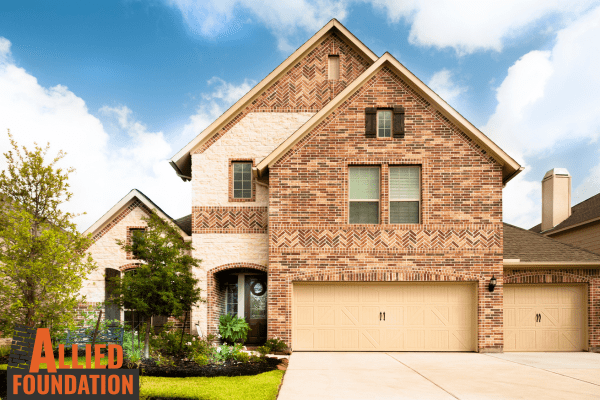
163,283
43,259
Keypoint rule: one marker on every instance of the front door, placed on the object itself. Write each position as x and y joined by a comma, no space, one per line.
255,312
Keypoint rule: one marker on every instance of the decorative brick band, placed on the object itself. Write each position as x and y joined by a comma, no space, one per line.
214,292
386,239
136,203
385,275
127,267
550,276
229,219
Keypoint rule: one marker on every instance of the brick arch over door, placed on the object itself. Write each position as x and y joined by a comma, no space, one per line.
212,292
282,329
591,277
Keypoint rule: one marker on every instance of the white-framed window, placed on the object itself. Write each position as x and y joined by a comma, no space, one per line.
405,195
384,123
333,67
363,196
242,180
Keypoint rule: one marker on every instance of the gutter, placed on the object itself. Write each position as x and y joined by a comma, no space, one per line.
184,178
512,176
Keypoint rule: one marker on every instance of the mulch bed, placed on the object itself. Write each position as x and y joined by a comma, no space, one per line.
185,369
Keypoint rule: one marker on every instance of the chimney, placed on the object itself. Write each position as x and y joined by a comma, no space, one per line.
556,197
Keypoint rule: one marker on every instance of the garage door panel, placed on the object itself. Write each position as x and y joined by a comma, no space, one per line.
418,317
545,317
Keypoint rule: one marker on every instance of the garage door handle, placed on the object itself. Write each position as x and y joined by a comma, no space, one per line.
380,316
384,315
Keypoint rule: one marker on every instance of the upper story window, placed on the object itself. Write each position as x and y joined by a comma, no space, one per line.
136,238
242,180
384,123
334,67
405,195
364,195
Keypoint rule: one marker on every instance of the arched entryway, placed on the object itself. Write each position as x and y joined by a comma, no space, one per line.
239,289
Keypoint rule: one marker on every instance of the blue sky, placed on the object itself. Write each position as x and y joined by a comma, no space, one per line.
123,85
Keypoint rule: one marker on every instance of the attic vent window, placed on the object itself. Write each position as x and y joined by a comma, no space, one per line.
334,67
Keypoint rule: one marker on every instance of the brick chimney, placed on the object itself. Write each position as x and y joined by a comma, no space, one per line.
556,197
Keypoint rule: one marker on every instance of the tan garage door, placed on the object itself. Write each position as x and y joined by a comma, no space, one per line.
545,317
384,316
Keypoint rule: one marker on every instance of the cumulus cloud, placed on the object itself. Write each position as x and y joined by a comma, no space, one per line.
548,100
107,167
285,18
465,25
215,103
441,82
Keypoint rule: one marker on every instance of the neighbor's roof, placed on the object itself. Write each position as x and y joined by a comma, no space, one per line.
585,212
134,193
510,168
185,223
530,247
181,161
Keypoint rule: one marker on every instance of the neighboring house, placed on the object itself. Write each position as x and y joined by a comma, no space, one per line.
578,225
342,205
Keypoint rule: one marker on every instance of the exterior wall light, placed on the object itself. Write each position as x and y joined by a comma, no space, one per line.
492,284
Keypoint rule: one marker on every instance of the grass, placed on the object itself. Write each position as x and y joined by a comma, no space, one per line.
256,387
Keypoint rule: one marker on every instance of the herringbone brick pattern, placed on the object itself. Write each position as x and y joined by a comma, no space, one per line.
367,240
229,219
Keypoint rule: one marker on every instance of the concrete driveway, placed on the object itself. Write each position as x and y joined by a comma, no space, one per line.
432,376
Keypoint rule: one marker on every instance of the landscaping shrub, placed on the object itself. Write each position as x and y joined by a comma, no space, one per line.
220,354
4,351
276,344
233,329
263,350
242,357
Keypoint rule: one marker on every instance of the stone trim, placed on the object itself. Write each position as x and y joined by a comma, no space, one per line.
136,203
233,219
212,292
253,180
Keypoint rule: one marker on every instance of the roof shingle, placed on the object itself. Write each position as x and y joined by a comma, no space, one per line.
587,210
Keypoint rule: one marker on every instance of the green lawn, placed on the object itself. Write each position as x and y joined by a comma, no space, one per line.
257,387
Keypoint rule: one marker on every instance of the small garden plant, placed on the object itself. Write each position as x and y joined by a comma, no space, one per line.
233,328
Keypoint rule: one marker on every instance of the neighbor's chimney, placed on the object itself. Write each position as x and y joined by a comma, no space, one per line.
556,197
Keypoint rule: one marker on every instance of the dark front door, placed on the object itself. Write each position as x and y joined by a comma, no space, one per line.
255,312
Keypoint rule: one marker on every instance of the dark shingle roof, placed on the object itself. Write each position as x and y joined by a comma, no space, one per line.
529,246
585,211
185,223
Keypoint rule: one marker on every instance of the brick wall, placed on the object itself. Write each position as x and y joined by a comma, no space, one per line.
591,277
460,237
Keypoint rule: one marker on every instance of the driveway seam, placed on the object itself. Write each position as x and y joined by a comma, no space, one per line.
418,373
542,369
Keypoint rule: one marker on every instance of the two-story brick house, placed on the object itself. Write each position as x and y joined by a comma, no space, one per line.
342,205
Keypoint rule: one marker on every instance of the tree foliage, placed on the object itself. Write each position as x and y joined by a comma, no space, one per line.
43,259
163,283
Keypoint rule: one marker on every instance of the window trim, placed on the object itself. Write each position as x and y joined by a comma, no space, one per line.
366,200
380,110
252,163
130,229
419,200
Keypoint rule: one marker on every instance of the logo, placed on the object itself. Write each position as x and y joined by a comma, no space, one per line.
31,348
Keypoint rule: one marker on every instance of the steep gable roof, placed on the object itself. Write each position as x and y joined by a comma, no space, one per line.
585,212
510,168
181,161
530,247
107,218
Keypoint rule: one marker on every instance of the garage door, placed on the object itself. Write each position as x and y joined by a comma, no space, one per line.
544,317
384,316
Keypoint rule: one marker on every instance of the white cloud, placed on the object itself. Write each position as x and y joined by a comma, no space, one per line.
465,25
441,82
589,187
548,100
521,201
213,104
284,17
105,171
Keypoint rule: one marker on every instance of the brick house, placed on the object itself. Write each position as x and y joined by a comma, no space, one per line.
341,204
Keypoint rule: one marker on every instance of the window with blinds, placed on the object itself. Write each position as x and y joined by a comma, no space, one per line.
242,180
364,195
405,195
